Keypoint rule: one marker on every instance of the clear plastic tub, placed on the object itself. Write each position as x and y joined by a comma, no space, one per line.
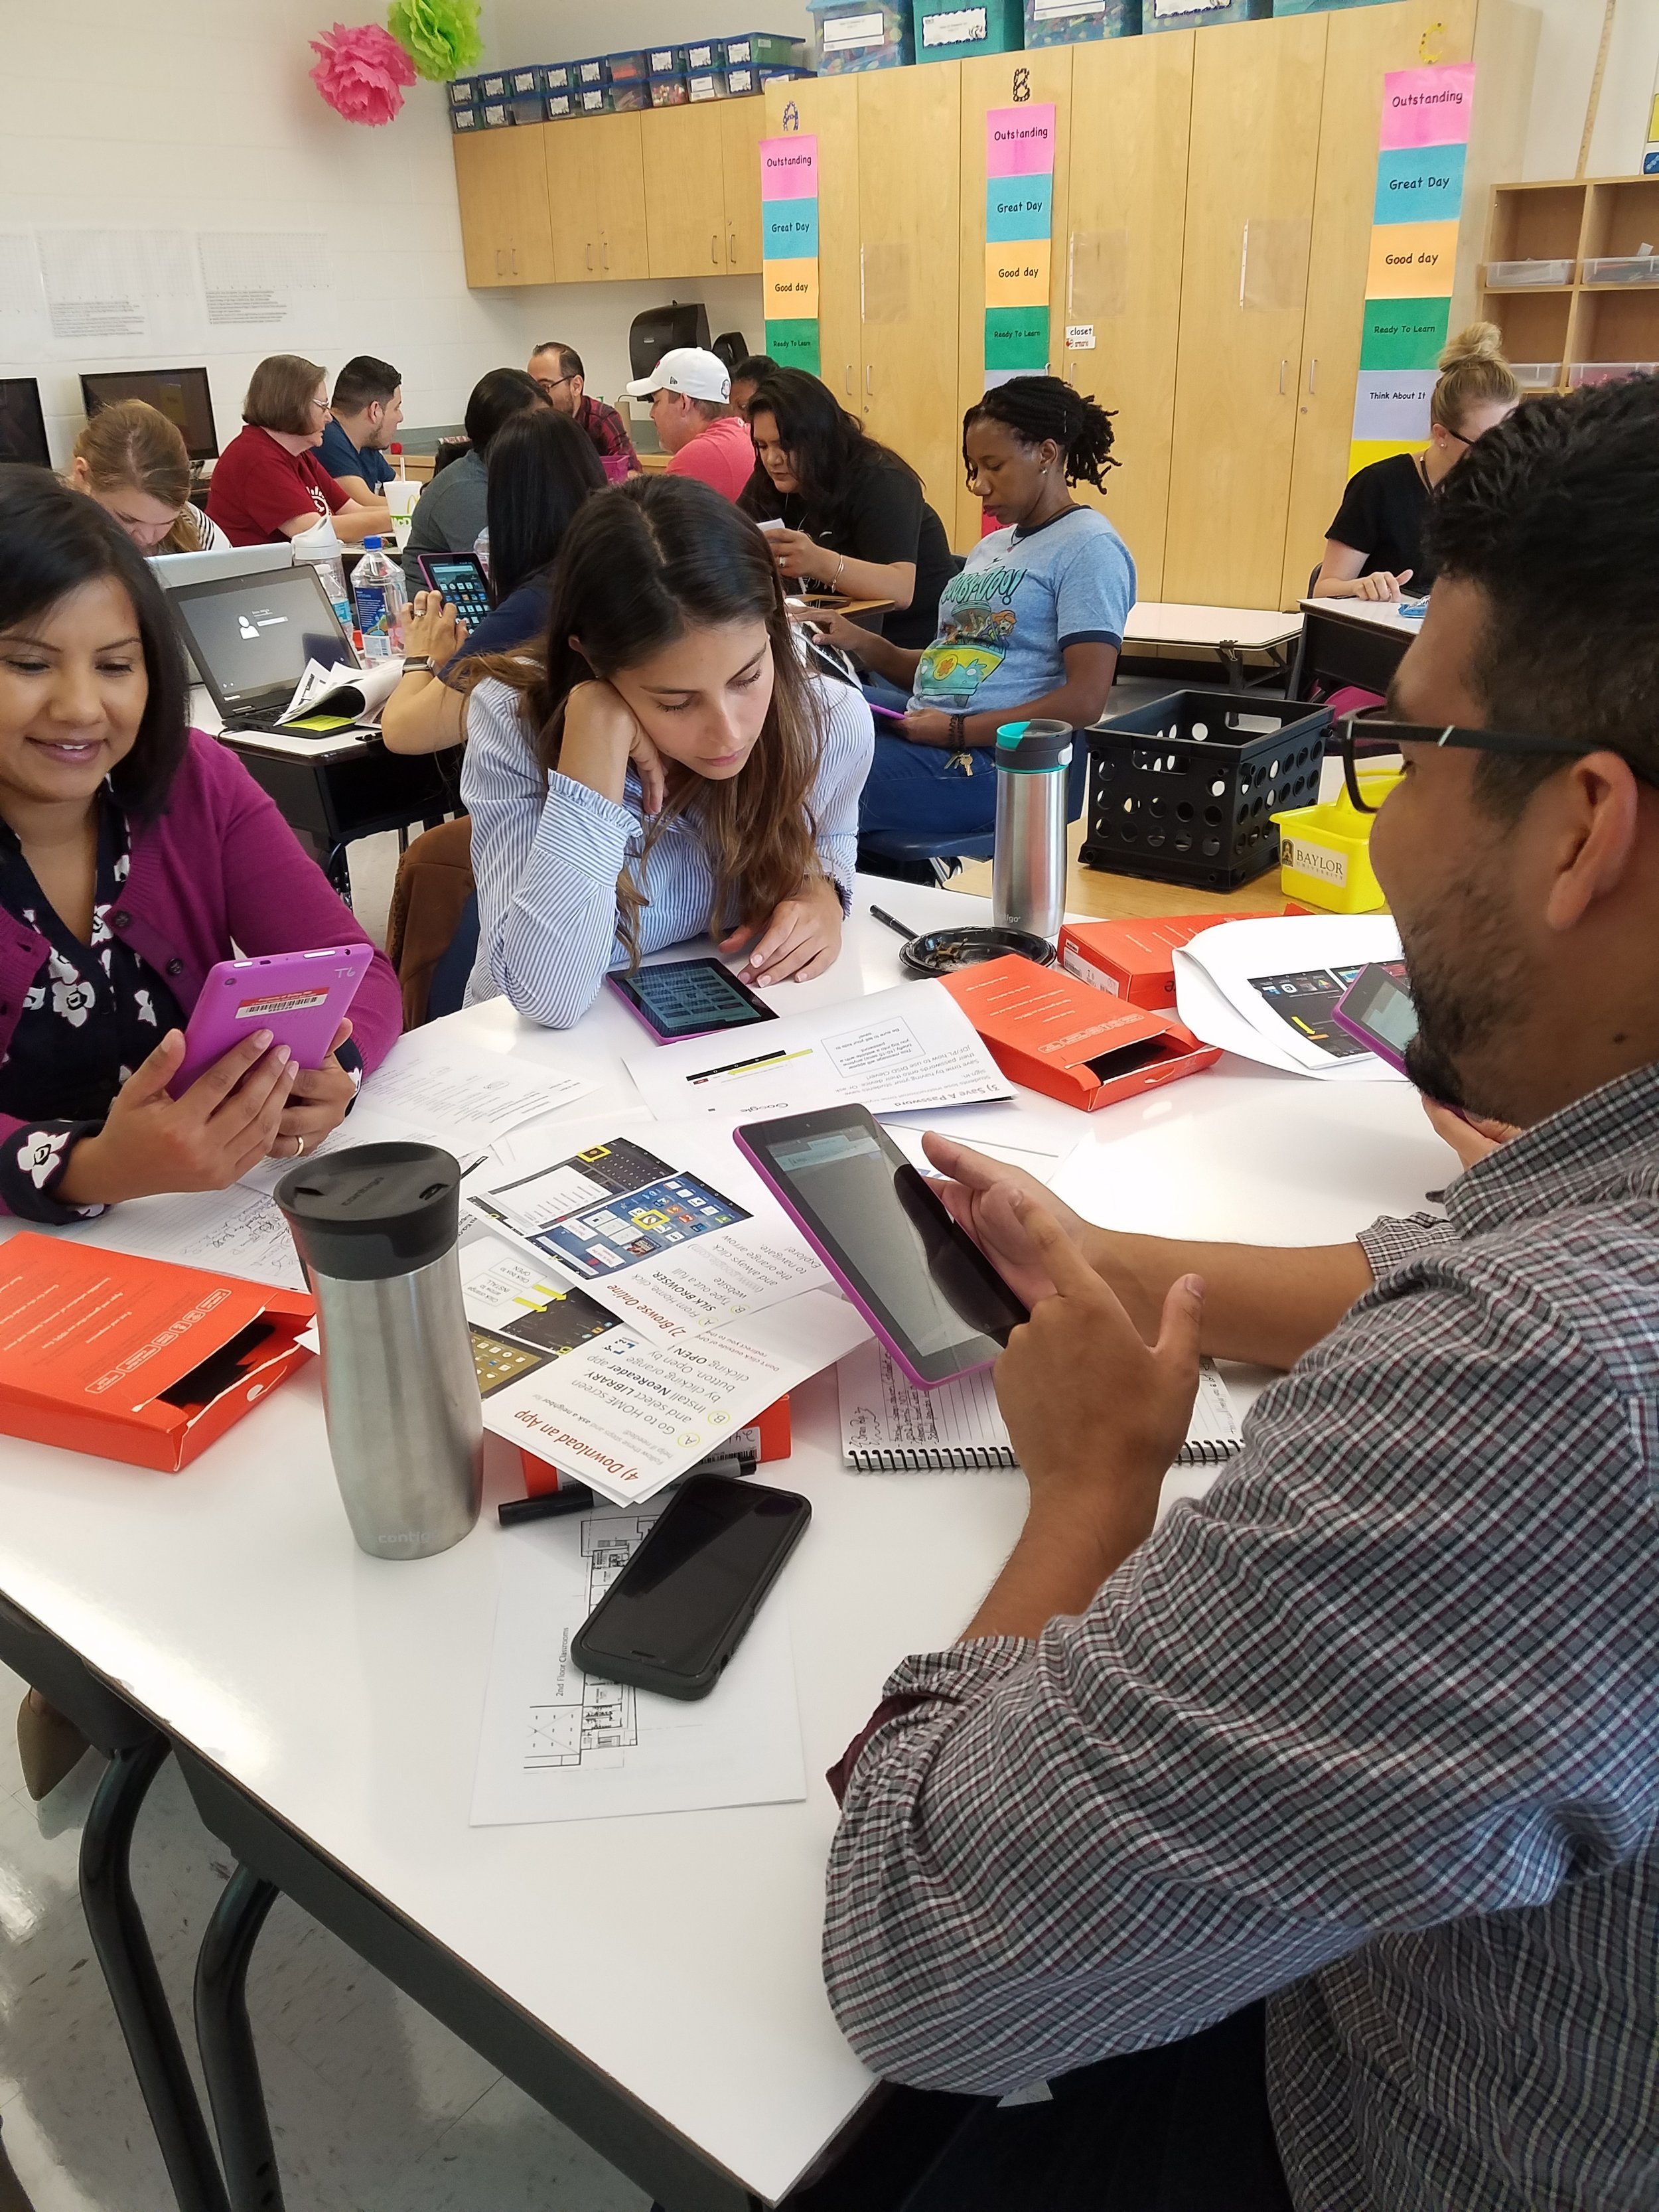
1606,372
1622,269
1537,375
1510,275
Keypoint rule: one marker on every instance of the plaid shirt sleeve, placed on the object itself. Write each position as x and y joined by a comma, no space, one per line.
1358,1689
608,433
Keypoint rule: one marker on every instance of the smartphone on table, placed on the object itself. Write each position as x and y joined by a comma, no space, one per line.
882,1231
301,997
459,578
678,998
679,1610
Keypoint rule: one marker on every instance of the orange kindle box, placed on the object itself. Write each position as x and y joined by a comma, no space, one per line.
1044,1027
135,1360
1131,959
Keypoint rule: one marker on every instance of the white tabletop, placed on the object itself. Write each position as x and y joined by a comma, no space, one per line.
678,1952
1170,622
1365,614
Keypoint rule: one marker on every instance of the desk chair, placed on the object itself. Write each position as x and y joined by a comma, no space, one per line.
919,856
134,1748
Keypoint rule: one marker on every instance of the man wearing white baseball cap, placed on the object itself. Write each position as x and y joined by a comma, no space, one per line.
690,392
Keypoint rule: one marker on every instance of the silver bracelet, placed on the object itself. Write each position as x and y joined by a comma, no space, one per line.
835,581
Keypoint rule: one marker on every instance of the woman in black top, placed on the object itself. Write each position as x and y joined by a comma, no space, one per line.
855,520
1374,549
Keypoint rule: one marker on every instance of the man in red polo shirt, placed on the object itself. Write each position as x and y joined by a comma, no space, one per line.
268,483
689,394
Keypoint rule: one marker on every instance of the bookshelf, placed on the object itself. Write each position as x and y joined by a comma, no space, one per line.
1583,322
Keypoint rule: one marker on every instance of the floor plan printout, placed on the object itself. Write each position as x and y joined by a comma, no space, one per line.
560,1745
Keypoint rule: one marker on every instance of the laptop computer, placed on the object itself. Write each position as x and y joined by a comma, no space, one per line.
172,569
251,637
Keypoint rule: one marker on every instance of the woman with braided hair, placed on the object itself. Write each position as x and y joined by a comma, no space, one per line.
1031,627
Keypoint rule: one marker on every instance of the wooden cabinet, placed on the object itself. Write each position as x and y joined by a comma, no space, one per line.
909,163
1122,250
684,190
741,123
501,177
1042,74
1250,176
1361,49
828,109
596,192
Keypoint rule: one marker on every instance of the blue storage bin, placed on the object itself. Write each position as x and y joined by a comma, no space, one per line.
593,71
957,30
559,105
523,83
1198,14
624,99
860,34
763,50
493,87
626,69
1072,22
468,118
741,82
558,76
668,91
463,91
666,61
592,100
702,55
705,84
496,114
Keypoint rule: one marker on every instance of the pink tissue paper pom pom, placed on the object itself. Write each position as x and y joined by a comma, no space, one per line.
361,72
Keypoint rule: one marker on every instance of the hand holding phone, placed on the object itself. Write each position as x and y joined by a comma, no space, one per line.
301,997
207,1138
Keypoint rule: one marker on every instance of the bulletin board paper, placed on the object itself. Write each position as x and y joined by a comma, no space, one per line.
789,167
1411,261
1019,141
1421,184
789,230
1403,333
790,289
1428,106
793,343
789,247
1018,275
1017,340
1019,207
1394,404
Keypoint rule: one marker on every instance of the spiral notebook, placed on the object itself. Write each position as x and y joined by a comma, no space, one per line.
889,1427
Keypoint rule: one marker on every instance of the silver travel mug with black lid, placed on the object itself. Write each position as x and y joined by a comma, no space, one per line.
1028,864
375,1227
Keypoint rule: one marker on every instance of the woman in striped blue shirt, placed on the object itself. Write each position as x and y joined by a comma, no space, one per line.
667,767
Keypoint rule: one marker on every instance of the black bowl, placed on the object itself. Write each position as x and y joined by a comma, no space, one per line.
942,951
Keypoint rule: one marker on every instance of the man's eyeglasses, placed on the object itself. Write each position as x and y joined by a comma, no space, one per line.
1369,740
550,383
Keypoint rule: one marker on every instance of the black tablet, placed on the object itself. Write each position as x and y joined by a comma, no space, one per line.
680,999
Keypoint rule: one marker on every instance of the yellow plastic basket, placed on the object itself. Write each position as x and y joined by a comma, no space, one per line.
1324,852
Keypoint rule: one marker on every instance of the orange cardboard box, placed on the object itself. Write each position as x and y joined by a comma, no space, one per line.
1044,1027
135,1360
770,1432
1134,960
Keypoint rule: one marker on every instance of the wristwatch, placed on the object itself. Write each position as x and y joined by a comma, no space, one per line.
959,730
422,661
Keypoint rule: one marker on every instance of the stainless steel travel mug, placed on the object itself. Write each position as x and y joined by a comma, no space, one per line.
375,1227
1028,866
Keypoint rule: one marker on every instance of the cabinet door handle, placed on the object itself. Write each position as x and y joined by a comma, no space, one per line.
1283,366
869,376
1313,375
849,379
714,248
498,260
512,260
605,253
732,246
589,253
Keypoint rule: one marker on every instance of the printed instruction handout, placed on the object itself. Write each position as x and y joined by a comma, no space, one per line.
899,1050
1264,989
562,1376
675,1234
560,1745
234,1232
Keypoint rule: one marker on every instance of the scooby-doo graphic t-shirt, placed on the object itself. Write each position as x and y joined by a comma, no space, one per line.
1006,621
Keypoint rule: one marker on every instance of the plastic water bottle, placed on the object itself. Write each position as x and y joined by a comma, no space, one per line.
481,547
377,586
321,549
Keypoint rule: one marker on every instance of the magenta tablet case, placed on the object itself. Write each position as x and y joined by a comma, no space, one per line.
1384,1051
682,1036
764,1168
300,997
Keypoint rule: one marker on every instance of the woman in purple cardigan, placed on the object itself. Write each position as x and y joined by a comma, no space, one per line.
134,854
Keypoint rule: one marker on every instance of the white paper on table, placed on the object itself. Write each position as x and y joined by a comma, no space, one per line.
1006,1132
668,1227
560,1745
430,1094
620,1411
1216,976
359,693
231,1233
909,1047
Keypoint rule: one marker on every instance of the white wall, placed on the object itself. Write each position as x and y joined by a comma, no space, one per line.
565,30
1569,35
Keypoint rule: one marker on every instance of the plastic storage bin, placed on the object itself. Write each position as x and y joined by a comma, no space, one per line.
1606,372
463,91
948,31
860,34
496,114
558,105
1196,14
558,76
1511,275
1069,22
763,50
1325,852
703,55
470,118
591,99
1622,269
664,61
706,84
668,91
624,99
1184,788
1536,375
493,87
626,69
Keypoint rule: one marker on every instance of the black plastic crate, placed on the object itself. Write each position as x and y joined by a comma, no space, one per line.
1184,788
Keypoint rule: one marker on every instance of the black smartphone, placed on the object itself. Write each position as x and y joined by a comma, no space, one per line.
460,577
678,998
683,1604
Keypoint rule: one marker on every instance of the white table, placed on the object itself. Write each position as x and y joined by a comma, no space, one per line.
1159,630
667,1967
1357,642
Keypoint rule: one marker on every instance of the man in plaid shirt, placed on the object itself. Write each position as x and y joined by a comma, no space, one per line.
1306,1851
558,370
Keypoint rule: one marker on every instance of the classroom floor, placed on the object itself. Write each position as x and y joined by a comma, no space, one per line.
375,2106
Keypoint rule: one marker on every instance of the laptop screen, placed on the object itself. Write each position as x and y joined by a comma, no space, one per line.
251,636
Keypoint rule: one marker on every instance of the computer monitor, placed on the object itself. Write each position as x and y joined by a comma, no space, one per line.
22,426
251,637
180,394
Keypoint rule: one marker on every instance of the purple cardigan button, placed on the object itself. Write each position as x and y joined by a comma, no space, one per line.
120,919
175,967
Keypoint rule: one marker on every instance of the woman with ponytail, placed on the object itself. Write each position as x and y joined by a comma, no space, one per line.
664,766
1030,628
1374,546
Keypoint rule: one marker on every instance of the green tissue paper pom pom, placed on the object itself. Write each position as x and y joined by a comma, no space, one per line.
442,35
